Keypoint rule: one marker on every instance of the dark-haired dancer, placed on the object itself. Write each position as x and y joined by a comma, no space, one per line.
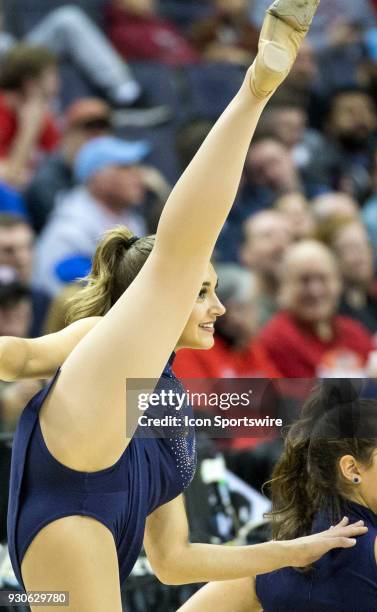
328,469
83,495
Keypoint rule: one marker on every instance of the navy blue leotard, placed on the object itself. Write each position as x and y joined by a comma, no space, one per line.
150,472
344,580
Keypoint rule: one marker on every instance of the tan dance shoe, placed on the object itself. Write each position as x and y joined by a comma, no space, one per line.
285,25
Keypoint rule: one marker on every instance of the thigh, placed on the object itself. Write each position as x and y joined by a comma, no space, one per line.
229,596
75,554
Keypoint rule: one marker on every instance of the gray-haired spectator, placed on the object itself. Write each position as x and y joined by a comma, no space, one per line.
267,236
307,338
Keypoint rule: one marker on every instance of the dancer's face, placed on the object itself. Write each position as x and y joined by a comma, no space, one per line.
199,330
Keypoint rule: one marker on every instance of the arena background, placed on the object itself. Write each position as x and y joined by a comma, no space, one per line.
296,259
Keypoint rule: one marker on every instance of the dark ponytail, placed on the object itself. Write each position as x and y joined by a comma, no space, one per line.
334,422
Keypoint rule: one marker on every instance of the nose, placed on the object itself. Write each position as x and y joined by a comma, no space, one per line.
217,308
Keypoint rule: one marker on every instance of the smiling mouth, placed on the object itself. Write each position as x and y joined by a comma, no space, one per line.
208,327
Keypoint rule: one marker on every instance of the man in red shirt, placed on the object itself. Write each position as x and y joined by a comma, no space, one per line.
139,33
307,338
28,84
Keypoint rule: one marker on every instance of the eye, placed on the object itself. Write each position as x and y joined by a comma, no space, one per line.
202,294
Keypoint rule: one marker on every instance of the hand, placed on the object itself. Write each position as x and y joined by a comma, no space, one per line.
32,111
311,548
154,181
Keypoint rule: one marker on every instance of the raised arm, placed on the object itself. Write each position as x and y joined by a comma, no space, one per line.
23,358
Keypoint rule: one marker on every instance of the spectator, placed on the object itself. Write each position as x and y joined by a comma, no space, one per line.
85,119
15,320
138,33
68,32
295,207
334,204
267,236
28,84
111,191
227,35
307,338
287,121
17,252
15,304
269,173
271,167
369,212
190,137
349,240
351,129
235,354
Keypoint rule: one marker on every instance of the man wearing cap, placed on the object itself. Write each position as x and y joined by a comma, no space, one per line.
85,119
111,188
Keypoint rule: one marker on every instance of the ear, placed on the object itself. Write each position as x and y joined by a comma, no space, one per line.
349,468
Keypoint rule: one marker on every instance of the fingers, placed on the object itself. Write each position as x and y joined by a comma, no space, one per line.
342,543
342,523
353,530
344,536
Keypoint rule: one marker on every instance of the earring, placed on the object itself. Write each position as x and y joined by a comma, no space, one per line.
356,480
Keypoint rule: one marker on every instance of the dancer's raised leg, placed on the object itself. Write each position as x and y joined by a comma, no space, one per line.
135,339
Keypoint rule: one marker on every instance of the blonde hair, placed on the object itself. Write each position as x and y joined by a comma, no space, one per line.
116,263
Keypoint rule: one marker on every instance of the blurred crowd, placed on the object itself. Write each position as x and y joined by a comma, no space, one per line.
104,103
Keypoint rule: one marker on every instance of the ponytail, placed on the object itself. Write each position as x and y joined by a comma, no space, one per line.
118,259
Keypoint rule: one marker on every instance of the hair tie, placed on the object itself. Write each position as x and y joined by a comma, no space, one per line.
130,241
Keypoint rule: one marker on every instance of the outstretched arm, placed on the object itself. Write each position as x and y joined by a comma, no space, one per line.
24,358
176,561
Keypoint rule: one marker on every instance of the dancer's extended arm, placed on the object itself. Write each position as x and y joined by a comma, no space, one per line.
25,358
177,561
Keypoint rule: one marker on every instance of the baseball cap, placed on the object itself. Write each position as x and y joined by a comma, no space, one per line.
105,151
11,288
